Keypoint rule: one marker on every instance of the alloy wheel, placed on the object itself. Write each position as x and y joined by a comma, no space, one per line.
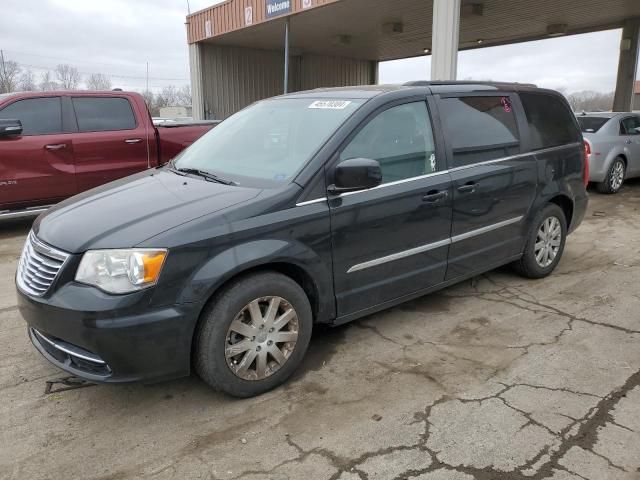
617,175
548,241
261,338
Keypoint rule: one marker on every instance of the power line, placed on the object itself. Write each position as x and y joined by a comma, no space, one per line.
131,77
69,60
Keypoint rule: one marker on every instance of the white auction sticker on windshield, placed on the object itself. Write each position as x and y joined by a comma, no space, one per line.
330,104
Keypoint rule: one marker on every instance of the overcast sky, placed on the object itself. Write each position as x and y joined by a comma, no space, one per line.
118,37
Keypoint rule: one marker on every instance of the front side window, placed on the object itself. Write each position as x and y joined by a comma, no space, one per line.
400,139
551,122
480,128
268,142
39,116
100,114
630,126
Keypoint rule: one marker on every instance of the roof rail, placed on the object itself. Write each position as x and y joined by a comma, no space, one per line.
427,83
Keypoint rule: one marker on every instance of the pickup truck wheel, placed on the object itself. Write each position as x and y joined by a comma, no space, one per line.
254,335
545,243
615,177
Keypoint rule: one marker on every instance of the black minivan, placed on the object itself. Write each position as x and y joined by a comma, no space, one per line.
315,207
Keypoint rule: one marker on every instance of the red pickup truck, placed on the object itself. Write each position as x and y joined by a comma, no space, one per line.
56,144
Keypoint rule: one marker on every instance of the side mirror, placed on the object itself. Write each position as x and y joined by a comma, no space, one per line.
10,127
356,174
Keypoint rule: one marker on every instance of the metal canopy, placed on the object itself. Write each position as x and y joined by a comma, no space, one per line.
393,29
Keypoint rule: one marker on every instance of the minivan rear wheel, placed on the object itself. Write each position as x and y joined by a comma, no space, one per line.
254,334
545,243
615,177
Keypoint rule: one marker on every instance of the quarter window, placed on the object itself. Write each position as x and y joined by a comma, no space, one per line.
551,122
39,116
98,114
400,139
480,128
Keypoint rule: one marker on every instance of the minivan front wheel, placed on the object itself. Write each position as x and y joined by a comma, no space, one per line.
615,177
545,243
254,334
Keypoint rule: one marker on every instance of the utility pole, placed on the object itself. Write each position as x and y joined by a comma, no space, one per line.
188,8
286,55
4,72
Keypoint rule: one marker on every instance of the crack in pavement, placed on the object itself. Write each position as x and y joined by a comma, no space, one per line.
12,308
541,466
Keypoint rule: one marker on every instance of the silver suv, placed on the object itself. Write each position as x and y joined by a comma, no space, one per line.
612,141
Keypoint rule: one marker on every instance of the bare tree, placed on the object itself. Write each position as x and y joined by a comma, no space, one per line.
9,76
47,83
68,77
184,96
28,81
590,101
98,81
168,97
150,100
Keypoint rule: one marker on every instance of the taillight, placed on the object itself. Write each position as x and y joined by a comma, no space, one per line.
587,155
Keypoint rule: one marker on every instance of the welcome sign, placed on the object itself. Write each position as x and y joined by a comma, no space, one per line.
278,7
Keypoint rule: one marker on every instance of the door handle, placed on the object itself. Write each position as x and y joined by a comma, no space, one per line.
131,141
469,187
58,146
434,196
628,141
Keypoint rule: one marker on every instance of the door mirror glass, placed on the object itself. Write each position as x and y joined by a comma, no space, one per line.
356,174
10,128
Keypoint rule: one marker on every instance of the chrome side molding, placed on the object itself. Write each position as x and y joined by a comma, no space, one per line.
432,246
399,255
454,169
27,212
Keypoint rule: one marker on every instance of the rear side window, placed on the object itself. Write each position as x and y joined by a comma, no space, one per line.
480,128
99,114
551,123
39,116
630,126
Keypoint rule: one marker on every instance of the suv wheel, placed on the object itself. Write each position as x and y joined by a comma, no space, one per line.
545,243
254,335
615,177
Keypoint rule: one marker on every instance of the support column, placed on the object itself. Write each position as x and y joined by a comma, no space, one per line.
197,84
627,66
286,55
445,38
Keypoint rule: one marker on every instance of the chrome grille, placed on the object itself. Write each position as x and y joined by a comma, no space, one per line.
39,266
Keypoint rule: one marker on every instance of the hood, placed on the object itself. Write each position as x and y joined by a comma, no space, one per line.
124,213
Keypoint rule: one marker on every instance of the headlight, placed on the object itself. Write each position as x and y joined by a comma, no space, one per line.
121,271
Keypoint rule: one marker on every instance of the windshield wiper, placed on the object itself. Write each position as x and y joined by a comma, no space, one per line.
204,174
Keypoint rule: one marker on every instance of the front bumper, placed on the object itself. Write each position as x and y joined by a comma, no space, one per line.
121,339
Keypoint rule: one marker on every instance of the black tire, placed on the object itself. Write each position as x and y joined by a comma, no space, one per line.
211,338
528,266
609,186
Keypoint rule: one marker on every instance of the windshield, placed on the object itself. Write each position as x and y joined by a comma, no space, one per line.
270,140
592,124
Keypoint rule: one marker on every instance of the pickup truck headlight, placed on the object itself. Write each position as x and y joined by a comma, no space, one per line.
121,271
